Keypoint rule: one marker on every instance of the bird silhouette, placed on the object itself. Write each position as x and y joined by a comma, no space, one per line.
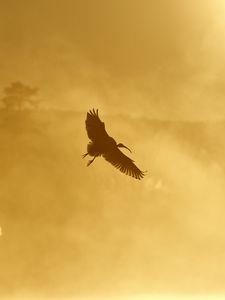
103,145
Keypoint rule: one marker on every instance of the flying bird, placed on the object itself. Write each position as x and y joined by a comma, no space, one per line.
104,145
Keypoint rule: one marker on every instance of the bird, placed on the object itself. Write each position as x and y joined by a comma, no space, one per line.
102,144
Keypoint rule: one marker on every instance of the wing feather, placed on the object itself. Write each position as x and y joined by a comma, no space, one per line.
123,163
94,126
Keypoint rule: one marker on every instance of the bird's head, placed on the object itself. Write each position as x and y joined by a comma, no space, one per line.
122,146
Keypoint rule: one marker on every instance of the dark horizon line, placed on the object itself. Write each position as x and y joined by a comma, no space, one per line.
121,115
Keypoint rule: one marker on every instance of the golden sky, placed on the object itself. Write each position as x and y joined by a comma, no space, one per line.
160,58
70,231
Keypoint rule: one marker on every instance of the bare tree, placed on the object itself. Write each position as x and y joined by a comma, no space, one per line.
18,95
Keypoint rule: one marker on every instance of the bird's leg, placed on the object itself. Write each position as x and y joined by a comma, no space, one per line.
91,161
83,156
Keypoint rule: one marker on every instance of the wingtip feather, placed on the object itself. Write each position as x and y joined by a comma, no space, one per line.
92,112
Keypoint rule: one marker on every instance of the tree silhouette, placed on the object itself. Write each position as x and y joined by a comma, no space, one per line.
18,95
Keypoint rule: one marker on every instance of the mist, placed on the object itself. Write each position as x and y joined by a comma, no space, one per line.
155,72
162,59
72,230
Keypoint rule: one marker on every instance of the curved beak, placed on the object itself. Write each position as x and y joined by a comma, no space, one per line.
122,146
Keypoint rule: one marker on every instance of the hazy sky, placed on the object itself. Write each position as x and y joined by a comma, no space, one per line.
67,228
161,59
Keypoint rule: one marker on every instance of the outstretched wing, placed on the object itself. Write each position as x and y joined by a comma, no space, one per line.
123,163
94,126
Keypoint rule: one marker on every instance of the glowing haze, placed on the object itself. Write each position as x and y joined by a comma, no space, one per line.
164,59
155,70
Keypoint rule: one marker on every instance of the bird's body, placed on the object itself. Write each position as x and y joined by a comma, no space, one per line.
100,147
103,145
